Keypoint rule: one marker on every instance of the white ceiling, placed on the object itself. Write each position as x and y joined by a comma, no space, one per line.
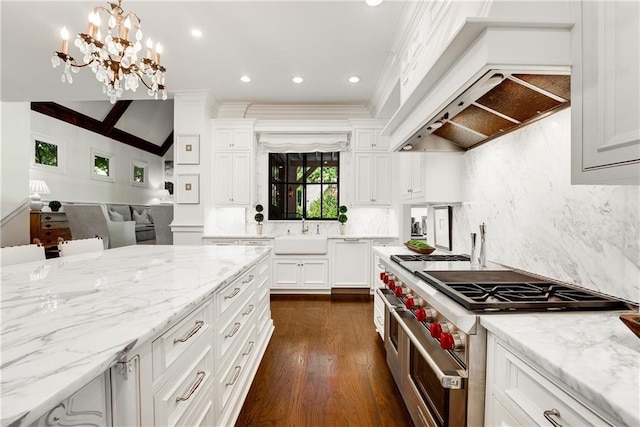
322,41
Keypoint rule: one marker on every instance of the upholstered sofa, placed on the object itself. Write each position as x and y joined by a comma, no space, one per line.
145,230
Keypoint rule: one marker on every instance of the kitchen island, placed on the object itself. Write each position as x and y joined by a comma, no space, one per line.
67,321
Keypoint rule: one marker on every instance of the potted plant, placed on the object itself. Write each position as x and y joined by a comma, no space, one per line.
259,217
342,218
55,205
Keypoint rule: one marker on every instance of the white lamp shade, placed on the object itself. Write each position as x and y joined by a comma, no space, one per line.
163,193
38,186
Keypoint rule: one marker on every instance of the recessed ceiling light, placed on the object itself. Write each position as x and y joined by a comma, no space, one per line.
374,2
353,79
245,79
196,33
297,79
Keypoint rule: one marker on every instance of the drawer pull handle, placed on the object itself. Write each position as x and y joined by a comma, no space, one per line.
236,374
47,225
548,414
236,291
249,279
192,332
236,328
248,352
48,217
249,310
194,387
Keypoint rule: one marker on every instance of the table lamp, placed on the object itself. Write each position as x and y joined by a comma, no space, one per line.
36,188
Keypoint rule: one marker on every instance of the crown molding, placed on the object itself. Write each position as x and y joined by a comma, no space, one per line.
306,112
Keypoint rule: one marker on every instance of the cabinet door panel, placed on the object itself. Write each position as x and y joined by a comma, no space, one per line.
381,178
314,274
286,273
241,181
242,139
222,179
351,264
222,139
363,181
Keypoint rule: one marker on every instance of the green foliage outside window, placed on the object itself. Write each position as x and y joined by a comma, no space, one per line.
138,174
46,154
101,166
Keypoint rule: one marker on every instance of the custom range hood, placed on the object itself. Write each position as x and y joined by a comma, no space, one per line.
492,78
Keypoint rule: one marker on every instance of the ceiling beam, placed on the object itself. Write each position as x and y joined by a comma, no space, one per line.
105,128
167,144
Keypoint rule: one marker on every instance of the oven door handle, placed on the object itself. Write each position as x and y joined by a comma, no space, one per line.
449,379
382,293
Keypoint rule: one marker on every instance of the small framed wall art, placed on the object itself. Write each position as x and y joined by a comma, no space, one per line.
188,189
188,150
442,216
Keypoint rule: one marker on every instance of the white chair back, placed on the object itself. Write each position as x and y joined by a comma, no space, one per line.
18,254
81,246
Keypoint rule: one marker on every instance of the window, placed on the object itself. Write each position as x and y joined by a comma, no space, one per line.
102,166
138,173
304,185
47,153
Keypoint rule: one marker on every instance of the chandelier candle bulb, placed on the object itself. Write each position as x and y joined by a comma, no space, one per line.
149,47
65,40
127,28
158,52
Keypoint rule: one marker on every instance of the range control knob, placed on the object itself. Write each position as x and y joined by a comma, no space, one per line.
391,284
383,274
436,330
398,291
451,341
410,302
385,278
425,314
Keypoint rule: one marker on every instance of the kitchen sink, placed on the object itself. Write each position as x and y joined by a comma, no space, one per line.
300,245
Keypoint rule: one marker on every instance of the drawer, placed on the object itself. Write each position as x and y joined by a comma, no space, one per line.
53,217
232,379
236,330
53,225
234,295
179,397
257,242
50,237
168,348
528,395
203,413
264,316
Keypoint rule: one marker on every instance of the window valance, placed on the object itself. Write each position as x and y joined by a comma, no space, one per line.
303,142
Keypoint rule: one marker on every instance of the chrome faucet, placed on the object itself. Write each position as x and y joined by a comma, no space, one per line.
304,229
483,246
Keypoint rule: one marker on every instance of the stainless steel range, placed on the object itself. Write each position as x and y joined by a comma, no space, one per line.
436,348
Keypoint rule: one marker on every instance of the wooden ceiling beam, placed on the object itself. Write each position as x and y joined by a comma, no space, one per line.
105,128
166,144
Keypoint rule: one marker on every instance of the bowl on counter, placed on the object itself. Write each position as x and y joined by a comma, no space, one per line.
419,249
632,321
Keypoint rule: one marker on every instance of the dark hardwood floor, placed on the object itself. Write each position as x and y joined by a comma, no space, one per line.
325,366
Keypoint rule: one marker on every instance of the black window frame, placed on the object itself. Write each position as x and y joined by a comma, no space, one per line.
287,184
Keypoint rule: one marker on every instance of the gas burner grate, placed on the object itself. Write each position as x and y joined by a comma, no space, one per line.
404,258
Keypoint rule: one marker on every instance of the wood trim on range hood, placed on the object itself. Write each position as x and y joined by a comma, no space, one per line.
481,49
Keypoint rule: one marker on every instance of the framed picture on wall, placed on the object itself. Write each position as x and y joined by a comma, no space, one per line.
442,216
188,150
187,188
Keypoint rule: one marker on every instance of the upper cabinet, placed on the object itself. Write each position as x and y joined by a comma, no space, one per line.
372,171
430,177
605,86
233,171
369,140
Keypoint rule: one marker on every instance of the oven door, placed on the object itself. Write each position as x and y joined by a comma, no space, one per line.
393,338
435,387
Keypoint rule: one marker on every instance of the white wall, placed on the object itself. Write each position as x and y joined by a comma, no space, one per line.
519,185
75,184
14,176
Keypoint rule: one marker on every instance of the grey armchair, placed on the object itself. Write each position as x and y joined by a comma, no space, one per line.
162,217
90,220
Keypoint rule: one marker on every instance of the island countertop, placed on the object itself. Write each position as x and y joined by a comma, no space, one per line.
67,320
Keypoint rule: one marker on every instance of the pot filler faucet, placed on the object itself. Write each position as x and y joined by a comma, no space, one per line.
304,229
483,246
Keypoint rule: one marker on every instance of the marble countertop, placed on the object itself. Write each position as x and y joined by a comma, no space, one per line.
67,320
592,353
264,236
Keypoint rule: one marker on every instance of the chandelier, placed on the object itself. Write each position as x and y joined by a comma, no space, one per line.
115,60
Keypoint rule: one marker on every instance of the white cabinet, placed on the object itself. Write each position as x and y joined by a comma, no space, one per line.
232,139
232,175
372,178
300,273
518,393
605,88
430,177
91,405
370,140
351,263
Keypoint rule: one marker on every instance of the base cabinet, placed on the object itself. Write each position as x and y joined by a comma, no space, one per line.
299,274
350,267
517,393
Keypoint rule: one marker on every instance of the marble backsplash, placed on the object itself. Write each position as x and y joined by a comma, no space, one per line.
519,185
